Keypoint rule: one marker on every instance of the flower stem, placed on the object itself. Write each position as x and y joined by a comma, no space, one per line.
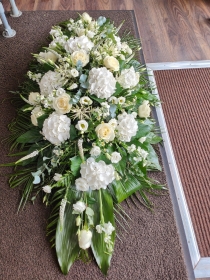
101,208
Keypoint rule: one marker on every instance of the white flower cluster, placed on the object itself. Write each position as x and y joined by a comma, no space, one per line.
56,128
127,127
50,81
128,78
107,228
95,175
79,43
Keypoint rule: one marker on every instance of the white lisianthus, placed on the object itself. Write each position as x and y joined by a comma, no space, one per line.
61,104
81,185
36,113
81,56
85,100
127,127
95,151
84,238
128,78
115,157
111,63
33,98
47,56
105,131
113,123
97,174
73,86
144,109
79,43
131,148
47,189
121,100
50,81
56,128
113,100
101,82
82,125
57,177
74,72
86,17
79,207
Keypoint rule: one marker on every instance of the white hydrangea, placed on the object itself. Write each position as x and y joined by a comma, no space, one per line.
128,78
56,128
49,82
79,43
127,127
97,174
101,82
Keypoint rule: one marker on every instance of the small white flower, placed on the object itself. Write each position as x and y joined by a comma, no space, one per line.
142,139
57,177
33,98
86,17
95,151
79,207
81,185
78,221
108,228
47,189
113,100
99,228
115,157
73,86
113,123
82,125
121,100
131,148
35,114
85,100
128,78
84,238
74,72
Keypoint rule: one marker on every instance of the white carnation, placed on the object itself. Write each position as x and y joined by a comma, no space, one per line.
97,174
56,128
115,157
50,81
101,82
127,127
128,78
95,151
79,43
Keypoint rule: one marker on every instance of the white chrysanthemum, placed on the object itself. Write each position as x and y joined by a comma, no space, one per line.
101,82
128,78
50,81
79,43
56,128
95,151
97,174
127,127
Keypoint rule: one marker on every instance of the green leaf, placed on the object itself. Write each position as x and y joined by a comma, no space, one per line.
153,159
75,165
98,246
125,187
73,132
144,128
66,242
30,136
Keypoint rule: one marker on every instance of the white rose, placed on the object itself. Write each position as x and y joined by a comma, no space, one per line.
85,237
47,56
95,151
74,72
61,104
86,17
128,78
33,98
144,109
81,56
115,157
111,63
79,207
57,177
47,189
36,113
81,185
85,100
82,125
105,132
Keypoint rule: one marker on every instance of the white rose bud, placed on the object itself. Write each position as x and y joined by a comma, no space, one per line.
105,132
79,207
81,56
78,221
61,104
85,237
47,56
111,63
144,109
47,189
86,17
33,98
